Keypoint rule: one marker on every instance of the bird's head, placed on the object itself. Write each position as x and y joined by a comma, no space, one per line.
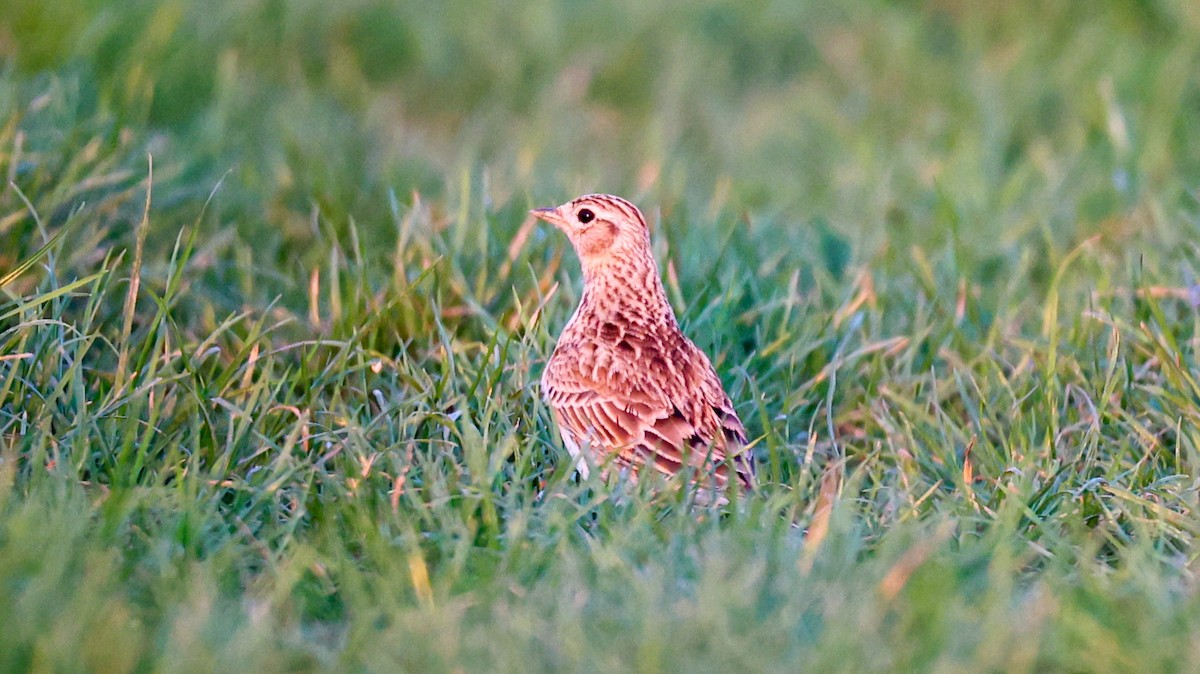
601,227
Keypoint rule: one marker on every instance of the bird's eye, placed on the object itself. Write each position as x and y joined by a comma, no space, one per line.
585,215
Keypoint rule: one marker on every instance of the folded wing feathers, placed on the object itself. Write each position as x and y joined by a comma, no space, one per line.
662,435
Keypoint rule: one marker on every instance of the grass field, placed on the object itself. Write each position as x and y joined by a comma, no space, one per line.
272,316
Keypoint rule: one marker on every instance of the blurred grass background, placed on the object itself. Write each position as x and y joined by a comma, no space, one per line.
268,400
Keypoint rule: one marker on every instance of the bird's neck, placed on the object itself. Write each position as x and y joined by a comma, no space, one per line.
621,284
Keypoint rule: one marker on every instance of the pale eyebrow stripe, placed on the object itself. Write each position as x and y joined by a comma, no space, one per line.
626,208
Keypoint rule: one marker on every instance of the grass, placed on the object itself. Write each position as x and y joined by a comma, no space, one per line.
273,313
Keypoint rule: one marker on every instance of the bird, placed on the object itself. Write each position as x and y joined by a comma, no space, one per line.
625,386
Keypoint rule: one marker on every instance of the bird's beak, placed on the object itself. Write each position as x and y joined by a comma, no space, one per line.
550,215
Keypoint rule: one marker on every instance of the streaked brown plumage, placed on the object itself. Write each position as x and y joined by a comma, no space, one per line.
623,381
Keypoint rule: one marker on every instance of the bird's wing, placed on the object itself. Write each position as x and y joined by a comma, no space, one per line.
643,426
725,430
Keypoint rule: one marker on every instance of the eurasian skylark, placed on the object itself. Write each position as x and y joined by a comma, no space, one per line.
624,384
